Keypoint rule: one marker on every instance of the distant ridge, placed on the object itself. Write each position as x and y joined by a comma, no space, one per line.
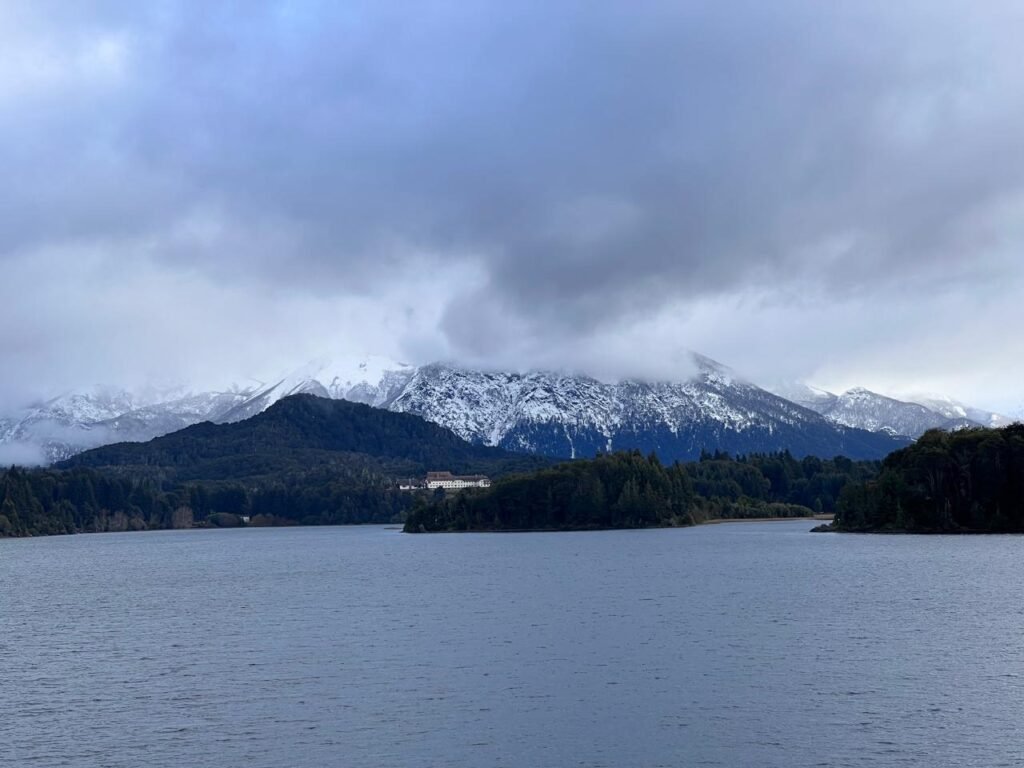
301,432
557,414
576,416
863,409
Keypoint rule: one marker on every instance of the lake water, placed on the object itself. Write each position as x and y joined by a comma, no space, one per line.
753,644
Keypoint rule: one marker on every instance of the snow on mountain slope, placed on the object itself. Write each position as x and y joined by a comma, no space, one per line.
953,409
371,381
864,409
553,413
563,415
818,400
74,422
66,425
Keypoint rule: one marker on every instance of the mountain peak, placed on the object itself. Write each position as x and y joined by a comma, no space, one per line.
559,413
712,368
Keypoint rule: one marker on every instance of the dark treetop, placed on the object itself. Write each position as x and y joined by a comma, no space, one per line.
629,490
947,482
305,460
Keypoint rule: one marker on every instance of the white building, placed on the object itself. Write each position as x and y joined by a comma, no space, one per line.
449,481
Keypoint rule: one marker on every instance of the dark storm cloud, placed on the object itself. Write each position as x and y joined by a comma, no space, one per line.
726,135
587,162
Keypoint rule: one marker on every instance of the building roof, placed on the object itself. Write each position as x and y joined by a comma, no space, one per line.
448,477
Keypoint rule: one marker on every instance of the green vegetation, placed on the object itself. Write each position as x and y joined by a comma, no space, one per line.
304,434
42,502
313,461
629,490
966,481
306,460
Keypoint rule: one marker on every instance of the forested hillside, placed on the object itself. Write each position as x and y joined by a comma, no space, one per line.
314,461
43,502
612,491
305,460
971,480
629,490
303,432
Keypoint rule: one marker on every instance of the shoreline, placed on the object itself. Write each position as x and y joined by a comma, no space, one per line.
722,520
716,521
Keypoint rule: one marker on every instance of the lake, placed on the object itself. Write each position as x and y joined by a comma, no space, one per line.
754,644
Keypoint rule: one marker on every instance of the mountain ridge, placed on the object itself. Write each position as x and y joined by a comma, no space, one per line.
562,414
864,409
574,416
301,432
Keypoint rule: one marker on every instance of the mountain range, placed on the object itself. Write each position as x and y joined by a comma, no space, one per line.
556,414
303,434
864,409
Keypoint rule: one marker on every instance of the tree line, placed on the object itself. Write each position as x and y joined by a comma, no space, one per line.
630,490
48,501
970,480
964,481
305,460
618,490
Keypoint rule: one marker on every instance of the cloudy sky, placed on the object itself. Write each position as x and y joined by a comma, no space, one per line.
202,191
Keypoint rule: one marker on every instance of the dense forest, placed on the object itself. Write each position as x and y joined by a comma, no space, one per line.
306,460
946,482
610,491
629,490
41,502
313,461
301,433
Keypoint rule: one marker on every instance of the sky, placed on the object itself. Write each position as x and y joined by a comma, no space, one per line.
205,191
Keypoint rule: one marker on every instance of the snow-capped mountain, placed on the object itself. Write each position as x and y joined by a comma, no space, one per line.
954,410
557,414
552,413
65,425
369,381
571,416
861,408
818,400
864,409
59,428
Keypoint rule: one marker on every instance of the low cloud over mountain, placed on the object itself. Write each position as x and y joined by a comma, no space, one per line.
813,190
